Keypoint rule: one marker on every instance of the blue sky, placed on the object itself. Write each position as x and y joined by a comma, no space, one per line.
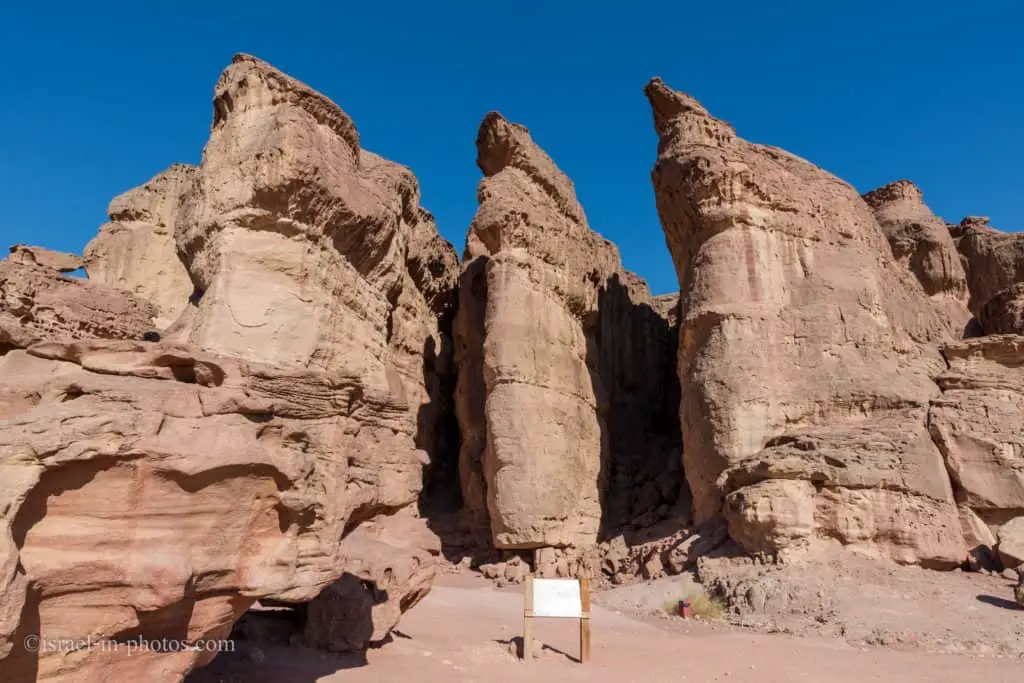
95,98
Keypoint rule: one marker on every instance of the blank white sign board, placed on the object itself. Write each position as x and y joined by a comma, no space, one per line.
557,598
565,598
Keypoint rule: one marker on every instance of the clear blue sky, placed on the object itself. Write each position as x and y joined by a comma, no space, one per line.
97,97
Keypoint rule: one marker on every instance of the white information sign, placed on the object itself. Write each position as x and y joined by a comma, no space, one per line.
557,598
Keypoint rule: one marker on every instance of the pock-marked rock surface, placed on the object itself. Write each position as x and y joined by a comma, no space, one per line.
46,258
1004,313
37,303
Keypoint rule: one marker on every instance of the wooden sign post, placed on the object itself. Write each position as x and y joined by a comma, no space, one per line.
560,599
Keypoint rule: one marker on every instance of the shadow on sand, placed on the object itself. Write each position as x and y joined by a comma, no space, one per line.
999,602
516,644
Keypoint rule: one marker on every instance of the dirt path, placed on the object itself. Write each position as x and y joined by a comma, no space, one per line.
462,631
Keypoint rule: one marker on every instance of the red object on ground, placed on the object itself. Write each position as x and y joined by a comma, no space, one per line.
685,609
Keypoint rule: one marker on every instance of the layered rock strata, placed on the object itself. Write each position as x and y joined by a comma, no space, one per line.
307,251
563,361
46,258
294,400
921,242
156,491
135,251
978,424
805,351
993,260
37,303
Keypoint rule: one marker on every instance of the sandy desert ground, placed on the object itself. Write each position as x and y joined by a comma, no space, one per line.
466,630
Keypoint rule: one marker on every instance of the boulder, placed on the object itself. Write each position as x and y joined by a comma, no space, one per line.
45,258
390,565
772,516
135,251
563,361
1011,543
806,351
980,540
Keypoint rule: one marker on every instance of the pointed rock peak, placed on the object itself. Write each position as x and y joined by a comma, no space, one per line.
681,117
901,190
242,57
668,103
498,141
502,144
251,83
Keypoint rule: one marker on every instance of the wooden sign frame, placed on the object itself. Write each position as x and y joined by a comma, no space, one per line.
583,618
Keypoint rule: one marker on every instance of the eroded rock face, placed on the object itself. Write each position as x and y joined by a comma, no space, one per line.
135,251
1004,313
804,351
312,254
46,258
978,423
918,238
868,484
560,354
158,489
921,242
994,260
37,303
390,565
261,471
308,251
